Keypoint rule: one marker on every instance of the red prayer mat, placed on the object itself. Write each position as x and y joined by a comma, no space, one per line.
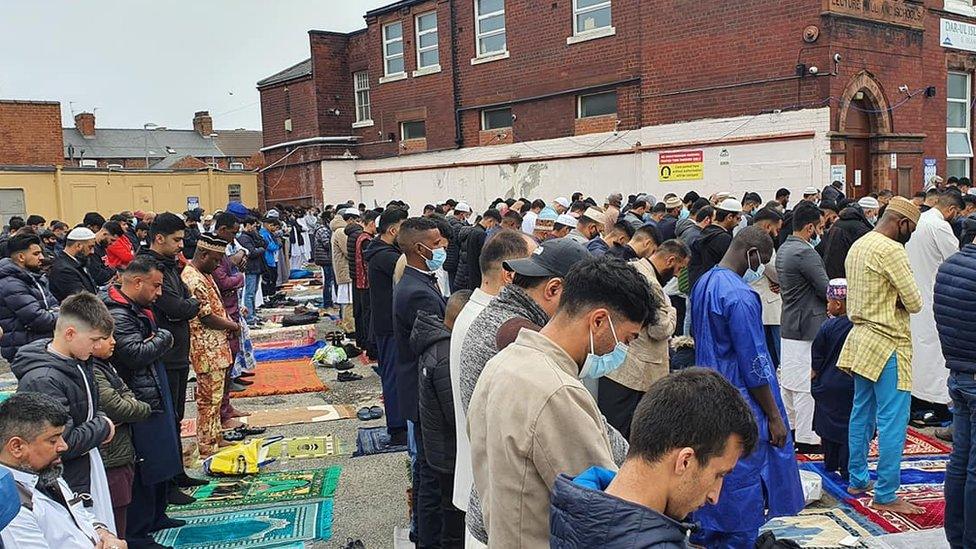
928,496
916,444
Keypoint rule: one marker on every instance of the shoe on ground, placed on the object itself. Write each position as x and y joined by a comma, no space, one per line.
186,481
234,436
344,365
167,522
398,438
944,434
177,497
802,448
236,387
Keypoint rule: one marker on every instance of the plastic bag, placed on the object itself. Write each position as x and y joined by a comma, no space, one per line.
241,459
812,486
330,355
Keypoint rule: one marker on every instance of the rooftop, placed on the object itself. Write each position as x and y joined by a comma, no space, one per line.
298,70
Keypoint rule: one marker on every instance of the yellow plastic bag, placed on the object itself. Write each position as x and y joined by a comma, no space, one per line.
244,458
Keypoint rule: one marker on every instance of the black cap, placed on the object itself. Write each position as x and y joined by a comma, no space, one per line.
552,258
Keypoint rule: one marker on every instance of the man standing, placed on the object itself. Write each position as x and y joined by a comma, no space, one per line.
381,257
322,256
931,244
635,215
715,239
591,224
771,221
648,359
210,352
529,217
340,262
803,286
783,198
139,348
458,222
729,338
69,274
954,303
852,224
675,209
881,294
552,424
252,241
358,270
470,242
646,239
272,247
28,311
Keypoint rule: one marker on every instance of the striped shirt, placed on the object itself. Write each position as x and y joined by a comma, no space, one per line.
881,293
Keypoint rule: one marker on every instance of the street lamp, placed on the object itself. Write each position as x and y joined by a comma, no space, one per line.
145,138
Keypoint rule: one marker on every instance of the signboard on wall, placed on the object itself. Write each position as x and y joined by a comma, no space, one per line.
957,35
838,172
904,13
681,166
929,171
192,203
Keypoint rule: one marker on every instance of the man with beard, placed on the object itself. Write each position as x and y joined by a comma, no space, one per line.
31,429
69,274
105,237
28,311
648,359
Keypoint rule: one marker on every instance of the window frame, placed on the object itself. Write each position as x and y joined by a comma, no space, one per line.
484,119
577,11
387,57
421,68
478,35
579,104
403,125
967,130
358,89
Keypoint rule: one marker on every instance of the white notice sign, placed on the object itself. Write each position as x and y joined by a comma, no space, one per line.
857,178
957,35
838,172
894,161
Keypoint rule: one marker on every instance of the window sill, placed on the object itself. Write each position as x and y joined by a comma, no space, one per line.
489,58
960,7
393,78
433,69
591,35
363,124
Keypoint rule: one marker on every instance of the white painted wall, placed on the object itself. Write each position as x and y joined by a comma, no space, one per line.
761,167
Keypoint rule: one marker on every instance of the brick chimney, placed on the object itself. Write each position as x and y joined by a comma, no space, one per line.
202,123
85,123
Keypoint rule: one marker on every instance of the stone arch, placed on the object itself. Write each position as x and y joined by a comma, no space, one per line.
866,83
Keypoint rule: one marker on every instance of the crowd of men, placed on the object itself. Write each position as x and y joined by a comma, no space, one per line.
533,358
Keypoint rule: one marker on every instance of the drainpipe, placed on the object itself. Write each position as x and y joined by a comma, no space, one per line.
456,77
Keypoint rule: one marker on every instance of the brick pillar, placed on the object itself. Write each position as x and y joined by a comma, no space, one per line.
85,122
202,123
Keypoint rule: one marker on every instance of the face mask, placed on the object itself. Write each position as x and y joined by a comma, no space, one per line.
751,275
684,214
438,256
597,366
815,241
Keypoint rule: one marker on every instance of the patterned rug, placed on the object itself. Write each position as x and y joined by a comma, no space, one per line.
374,440
283,416
823,528
282,332
265,489
306,447
283,378
4,395
285,343
916,444
280,526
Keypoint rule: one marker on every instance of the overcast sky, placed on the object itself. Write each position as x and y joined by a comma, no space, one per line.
138,61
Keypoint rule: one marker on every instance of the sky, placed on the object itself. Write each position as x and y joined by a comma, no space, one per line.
138,61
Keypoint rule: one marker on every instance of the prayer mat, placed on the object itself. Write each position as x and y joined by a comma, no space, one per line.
290,353
374,440
823,528
306,447
285,343
283,378
290,416
4,395
279,526
279,333
265,489
188,427
916,444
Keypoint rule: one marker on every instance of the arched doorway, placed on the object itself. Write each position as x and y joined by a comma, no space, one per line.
864,121
858,149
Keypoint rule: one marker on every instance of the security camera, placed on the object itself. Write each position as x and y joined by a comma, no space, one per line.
903,88
837,58
814,70
514,117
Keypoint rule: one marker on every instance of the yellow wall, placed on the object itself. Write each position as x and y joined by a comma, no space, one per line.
68,195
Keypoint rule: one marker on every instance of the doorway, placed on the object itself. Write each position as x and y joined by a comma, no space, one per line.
858,156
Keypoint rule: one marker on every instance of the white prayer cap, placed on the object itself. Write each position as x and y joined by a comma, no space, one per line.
729,205
568,220
563,201
80,234
869,203
462,207
810,191
273,213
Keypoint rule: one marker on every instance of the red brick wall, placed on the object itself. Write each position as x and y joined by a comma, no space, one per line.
333,82
301,109
30,133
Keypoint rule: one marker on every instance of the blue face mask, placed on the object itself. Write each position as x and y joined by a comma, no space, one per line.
437,259
597,366
815,241
751,275
684,214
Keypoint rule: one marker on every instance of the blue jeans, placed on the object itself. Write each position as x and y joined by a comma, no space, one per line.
879,401
960,481
251,281
328,286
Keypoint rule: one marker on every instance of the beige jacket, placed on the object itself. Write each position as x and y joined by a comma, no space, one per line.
772,302
530,419
340,253
648,359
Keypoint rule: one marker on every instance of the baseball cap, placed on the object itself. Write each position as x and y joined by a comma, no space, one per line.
563,201
552,258
80,234
729,205
462,207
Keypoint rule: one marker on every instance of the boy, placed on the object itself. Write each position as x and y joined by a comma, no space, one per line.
833,390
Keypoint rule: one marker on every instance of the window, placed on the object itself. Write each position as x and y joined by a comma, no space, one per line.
590,15
361,85
393,49
959,145
496,119
427,52
237,166
490,17
598,104
413,130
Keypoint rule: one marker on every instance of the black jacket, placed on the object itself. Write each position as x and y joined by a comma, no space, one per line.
668,228
26,308
381,259
453,250
431,341
708,251
255,246
416,292
190,237
100,272
470,240
173,311
850,226
72,383
322,245
69,276
967,230
353,230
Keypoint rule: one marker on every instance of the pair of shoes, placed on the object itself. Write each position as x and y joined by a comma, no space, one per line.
344,365
186,481
354,544
236,387
369,413
351,350
348,376
177,497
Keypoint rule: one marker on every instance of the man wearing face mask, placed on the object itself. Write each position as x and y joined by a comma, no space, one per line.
424,247
551,424
803,287
589,227
881,294
648,359
729,338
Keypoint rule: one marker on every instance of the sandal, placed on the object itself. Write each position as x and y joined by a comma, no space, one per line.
344,365
375,412
348,376
364,414
250,431
234,436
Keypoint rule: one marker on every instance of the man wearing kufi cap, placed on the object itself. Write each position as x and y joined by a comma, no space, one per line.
69,272
811,194
564,223
870,206
715,239
545,222
881,294
589,226
561,205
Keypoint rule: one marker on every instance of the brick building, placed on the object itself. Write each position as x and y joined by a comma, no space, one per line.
481,98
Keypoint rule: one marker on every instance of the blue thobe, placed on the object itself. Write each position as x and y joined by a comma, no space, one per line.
729,338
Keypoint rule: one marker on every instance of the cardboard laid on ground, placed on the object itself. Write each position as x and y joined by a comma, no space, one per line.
283,416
